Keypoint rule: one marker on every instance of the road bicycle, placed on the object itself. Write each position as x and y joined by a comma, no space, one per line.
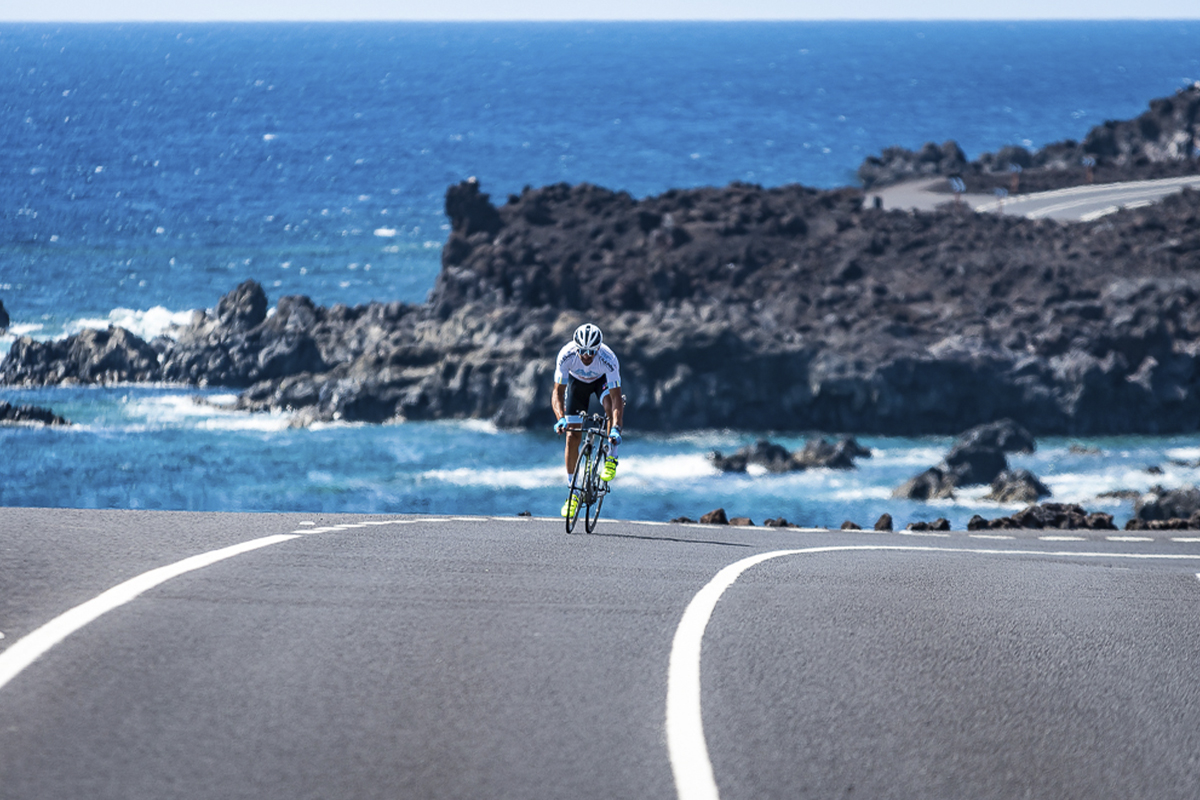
586,485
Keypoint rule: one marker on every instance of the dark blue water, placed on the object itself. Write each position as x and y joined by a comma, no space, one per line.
147,169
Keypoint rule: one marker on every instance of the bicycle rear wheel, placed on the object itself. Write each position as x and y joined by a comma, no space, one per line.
577,491
596,490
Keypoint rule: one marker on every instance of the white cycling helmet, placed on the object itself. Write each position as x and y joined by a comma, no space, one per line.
588,338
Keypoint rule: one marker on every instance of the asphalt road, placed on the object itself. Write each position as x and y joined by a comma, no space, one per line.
1076,204
410,657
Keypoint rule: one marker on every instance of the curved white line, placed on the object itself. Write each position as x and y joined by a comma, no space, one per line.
686,746
30,647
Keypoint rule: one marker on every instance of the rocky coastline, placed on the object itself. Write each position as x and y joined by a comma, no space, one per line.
28,415
1159,143
743,307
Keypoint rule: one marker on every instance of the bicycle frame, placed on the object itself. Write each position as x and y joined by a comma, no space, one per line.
587,486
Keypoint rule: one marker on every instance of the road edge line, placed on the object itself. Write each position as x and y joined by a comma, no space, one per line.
687,748
34,644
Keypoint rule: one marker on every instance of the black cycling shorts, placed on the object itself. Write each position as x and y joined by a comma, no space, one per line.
579,396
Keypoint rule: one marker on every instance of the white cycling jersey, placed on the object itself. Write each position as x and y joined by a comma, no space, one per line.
569,364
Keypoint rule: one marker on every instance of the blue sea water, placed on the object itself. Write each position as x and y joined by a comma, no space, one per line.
147,169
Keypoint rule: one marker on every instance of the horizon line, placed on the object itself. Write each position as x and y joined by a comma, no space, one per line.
588,20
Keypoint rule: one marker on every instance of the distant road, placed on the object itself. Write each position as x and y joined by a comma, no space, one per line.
299,656
1076,204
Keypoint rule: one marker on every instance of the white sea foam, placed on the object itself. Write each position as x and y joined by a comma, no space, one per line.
22,329
634,472
182,411
1184,453
536,478
901,456
477,425
667,468
145,324
1084,487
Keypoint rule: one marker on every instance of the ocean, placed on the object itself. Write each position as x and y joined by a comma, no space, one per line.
150,168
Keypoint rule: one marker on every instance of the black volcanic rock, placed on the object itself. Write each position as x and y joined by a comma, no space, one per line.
1162,504
28,415
743,307
976,457
1061,516
1159,143
816,453
92,356
1017,486
773,457
4,319
932,484
1003,435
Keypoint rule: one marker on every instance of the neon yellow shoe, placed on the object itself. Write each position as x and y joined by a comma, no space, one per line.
610,469
571,506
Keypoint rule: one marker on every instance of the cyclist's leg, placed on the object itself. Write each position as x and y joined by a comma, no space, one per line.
578,398
609,470
578,395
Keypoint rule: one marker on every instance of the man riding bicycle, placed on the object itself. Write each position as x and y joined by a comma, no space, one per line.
585,367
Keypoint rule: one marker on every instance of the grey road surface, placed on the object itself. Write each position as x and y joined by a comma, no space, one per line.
411,657
1076,204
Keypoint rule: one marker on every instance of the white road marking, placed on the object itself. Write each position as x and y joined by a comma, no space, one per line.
28,648
989,536
1132,191
1056,538
1190,539
1130,538
686,745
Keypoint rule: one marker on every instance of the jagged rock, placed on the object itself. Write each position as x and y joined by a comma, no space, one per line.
92,356
821,452
28,415
932,484
939,524
968,466
1161,504
1063,516
4,320
684,520
1017,486
1004,435
243,308
779,522
774,457
851,526
896,164
715,517
1171,524
884,523
742,521
976,457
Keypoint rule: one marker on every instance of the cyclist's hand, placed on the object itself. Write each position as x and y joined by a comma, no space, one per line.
561,425
614,434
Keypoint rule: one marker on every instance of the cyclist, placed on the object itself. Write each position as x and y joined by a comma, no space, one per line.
585,367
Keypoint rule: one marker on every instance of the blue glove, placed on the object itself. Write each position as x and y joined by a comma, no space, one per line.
561,425
614,435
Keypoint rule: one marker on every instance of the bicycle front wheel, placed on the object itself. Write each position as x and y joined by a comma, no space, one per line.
596,490
577,492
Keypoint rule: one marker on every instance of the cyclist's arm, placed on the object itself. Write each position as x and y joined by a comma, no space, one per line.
618,406
558,401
